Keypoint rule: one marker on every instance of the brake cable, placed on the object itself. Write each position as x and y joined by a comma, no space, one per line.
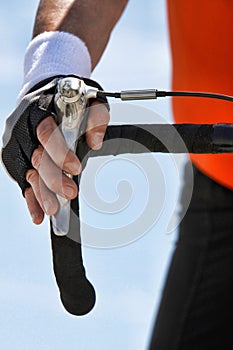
149,94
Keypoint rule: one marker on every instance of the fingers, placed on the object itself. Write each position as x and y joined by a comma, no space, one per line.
34,208
54,143
52,140
98,120
53,177
42,198
46,180
53,158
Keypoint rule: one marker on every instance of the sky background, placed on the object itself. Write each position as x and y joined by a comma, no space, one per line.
128,279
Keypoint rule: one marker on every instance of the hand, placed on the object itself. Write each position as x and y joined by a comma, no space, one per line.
52,158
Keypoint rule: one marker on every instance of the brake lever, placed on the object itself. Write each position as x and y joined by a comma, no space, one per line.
70,105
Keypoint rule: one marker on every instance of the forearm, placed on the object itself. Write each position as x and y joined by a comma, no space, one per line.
91,20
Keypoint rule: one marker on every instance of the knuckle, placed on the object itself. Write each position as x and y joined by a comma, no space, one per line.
99,118
45,129
28,194
54,184
36,158
31,176
105,115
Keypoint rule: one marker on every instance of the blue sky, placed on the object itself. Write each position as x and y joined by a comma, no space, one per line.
128,279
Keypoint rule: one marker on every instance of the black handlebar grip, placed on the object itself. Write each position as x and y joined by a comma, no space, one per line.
164,138
76,292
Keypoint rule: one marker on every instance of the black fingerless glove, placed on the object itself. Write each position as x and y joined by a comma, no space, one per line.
19,139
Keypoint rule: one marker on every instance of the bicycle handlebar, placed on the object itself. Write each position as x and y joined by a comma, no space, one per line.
164,138
77,294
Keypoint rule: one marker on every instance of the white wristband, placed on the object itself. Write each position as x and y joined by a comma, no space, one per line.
54,53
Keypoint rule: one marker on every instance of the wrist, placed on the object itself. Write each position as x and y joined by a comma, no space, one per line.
54,53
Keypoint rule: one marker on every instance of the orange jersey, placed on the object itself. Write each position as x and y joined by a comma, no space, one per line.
202,53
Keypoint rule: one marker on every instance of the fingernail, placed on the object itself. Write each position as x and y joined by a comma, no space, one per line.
69,192
36,219
74,168
97,141
48,206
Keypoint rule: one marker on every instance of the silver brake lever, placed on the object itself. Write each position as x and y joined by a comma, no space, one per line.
70,105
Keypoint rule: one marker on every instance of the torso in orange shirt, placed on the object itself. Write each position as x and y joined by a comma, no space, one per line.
202,52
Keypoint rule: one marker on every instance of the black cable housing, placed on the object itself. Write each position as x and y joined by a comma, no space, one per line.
194,94
160,93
